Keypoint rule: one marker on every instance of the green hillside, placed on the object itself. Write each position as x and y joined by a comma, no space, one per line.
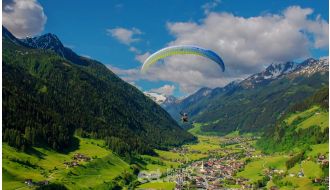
47,97
306,124
46,164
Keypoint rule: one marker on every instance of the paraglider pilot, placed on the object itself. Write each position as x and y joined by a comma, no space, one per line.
184,117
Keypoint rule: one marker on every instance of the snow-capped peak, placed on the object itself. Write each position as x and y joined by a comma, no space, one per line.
277,70
46,41
311,66
273,71
161,99
158,98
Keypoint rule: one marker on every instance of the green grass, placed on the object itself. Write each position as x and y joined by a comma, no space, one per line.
301,183
303,114
319,118
151,163
158,185
96,172
319,149
254,169
313,116
197,130
48,165
310,168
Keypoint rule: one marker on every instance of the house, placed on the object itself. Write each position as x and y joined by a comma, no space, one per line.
29,182
321,157
71,164
325,162
317,180
81,157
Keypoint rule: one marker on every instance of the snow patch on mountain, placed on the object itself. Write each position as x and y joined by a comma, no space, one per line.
158,98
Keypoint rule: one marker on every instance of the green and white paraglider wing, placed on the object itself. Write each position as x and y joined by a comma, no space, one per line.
182,50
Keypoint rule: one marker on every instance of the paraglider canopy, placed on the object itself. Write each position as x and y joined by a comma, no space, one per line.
181,50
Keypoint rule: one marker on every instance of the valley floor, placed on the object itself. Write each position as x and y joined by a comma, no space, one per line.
233,162
214,162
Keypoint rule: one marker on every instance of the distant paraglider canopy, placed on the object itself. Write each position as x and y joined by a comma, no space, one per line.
181,50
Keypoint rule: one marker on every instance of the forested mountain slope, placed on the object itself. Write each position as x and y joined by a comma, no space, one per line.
304,124
254,104
48,95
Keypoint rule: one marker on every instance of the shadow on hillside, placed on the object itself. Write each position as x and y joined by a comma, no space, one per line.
138,161
35,152
72,147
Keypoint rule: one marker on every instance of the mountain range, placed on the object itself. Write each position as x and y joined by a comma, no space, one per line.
50,93
253,104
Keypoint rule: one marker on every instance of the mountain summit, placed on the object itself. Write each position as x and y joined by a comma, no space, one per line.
46,41
52,42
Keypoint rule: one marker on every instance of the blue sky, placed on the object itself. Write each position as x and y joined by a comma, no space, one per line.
90,28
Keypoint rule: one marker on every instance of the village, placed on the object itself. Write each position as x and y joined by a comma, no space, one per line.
211,174
219,169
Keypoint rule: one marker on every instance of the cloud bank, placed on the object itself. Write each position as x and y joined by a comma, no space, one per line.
247,45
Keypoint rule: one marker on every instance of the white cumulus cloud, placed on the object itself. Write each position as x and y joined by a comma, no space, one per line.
246,44
123,35
23,17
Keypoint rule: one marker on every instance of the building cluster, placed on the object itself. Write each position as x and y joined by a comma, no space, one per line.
213,173
78,157
322,159
30,182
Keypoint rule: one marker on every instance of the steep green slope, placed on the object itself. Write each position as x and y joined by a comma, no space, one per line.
306,124
47,97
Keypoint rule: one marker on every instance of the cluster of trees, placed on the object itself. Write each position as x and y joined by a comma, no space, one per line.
320,98
294,159
261,182
26,121
14,138
120,146
46,98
